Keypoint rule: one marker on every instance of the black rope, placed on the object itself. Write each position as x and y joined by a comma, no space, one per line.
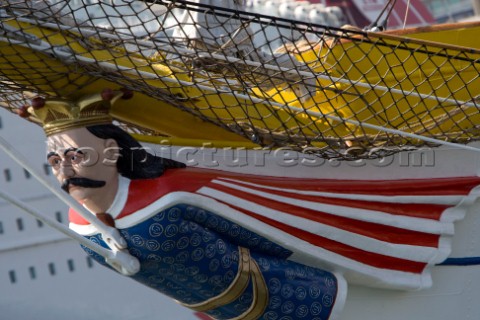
383,26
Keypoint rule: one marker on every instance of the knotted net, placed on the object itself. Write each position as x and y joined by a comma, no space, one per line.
335,92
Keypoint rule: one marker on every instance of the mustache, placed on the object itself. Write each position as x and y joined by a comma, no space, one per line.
82,182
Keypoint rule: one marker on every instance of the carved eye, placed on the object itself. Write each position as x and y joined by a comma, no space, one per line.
54,161
75,157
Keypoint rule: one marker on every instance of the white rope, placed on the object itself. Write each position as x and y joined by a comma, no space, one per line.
117,259
406,14
109,234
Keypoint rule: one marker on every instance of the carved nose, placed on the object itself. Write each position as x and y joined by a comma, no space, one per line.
67,171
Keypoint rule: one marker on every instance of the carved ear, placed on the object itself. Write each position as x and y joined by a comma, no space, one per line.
112,151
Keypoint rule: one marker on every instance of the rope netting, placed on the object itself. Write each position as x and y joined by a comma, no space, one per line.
335,92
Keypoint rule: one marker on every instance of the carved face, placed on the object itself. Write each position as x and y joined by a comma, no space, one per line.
85,165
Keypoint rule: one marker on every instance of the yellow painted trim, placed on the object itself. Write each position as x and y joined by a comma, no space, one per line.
260,295
234,291
195,142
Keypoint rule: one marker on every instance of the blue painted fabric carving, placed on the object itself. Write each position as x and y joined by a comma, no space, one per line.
193,255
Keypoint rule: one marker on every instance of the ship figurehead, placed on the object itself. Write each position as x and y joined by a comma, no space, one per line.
242,246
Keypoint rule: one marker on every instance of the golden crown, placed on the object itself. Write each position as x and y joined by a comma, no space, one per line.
57,115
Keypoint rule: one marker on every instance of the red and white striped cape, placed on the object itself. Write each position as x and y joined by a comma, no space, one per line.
376,233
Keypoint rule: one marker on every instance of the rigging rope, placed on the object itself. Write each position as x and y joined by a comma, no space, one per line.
119,260
407,10
117,256
389,5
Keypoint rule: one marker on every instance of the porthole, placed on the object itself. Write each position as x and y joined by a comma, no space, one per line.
71,265
33,274
89,262
58,216
13,276
19,224
51,268
46,169
7,174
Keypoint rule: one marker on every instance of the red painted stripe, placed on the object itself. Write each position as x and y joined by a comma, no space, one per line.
76,218
417,210
411,187
365,257
143,192
368,229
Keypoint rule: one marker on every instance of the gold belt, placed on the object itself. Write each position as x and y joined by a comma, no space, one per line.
247,269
